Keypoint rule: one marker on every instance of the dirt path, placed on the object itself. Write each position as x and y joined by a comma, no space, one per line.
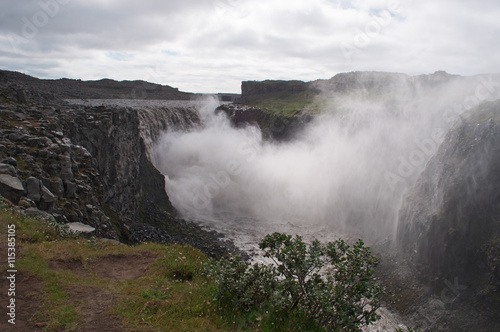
94,303
27,297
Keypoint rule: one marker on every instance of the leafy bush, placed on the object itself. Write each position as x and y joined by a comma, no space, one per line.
332,285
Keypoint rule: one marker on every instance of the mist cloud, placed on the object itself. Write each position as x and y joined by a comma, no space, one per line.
347,172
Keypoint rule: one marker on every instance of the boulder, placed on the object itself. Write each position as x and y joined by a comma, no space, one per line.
81,229
33,187
9,161
70,189
39,142
35,213
7,169
65,164
47,199
47,196
57,186
11,187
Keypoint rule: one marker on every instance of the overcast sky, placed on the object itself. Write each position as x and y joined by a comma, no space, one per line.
213,45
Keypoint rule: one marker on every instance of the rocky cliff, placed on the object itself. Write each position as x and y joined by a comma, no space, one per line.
43,172
91,165
449,225
273,126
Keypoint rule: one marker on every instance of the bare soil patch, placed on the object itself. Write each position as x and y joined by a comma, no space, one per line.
94,305
123,267
73,265
27,297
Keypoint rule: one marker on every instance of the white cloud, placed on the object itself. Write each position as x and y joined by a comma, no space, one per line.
210,46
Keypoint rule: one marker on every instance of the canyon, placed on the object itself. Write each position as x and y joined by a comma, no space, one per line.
409,163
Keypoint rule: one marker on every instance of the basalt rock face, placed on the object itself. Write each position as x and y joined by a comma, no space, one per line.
44,173
91,165
120,139
450,222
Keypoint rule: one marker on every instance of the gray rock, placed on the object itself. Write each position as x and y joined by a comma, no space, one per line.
45,181
11,187
57,187
47,196
65,163
111,241
80,227
26,202
70,189
35,213
7,169
21,96
46,154
16,137
39,142
33,187
10,161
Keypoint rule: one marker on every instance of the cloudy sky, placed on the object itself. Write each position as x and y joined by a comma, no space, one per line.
212,45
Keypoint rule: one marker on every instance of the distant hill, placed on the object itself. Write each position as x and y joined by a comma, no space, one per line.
24,88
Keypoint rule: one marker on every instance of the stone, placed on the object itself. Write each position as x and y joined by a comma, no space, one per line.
79,227
111,241
9,161
21,96
60,218
39,142
16,137
35,213
47,196
70,189
57,186
26,202
7,169
65,163
11,187
33,187
46,154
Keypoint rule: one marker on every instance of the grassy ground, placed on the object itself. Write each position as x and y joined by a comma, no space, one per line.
288,104
78,284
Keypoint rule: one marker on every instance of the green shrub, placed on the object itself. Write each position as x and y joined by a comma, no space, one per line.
332,286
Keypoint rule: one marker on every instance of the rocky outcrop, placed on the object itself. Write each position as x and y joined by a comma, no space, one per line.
121,140
90,166
273,127
44,173
449,225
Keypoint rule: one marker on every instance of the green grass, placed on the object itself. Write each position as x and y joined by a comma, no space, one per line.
171,296
288,104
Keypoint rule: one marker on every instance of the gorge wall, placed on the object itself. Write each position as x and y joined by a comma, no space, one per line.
94,163
449,222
